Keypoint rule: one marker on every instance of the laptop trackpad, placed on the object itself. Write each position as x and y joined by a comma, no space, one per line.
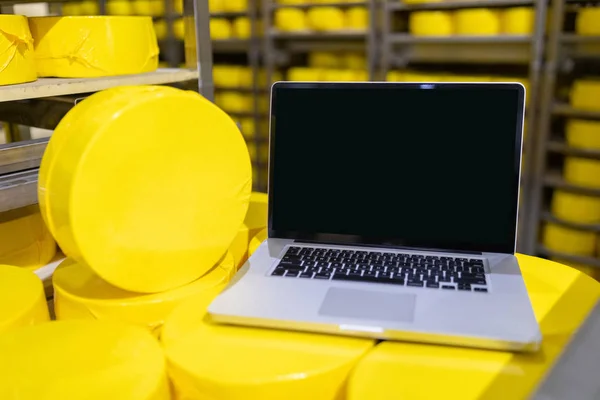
368,304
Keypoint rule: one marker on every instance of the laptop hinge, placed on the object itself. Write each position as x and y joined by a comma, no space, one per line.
390,246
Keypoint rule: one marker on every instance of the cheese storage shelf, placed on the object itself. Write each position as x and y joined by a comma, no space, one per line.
548,217
316,5
559,146
565,110
454,5
553,179
565,257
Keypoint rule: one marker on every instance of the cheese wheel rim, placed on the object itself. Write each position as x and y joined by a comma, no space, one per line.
17,57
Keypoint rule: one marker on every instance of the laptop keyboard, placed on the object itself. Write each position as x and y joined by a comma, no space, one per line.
414,270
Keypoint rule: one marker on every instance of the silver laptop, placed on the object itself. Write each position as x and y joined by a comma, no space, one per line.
392,215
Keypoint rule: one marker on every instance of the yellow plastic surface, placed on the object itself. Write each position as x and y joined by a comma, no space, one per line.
582,171
289,19
517,20
81,294
326,18
477,21
583,134
588,21
25,241
137,221
154,8
575,207
242,28
305,74
325,59
220,28
585,94
356,18
254,222
561,298
89,360
569,241
354,61
427,23
235,5
256,241
225,362
22,301
81,47
17,62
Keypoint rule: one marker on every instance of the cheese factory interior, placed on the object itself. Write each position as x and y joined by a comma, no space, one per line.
153,115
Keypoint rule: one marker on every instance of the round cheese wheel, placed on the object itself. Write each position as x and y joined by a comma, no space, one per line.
179,28
430,23
89,360
324,59
305,74
160,28
338,75
81,294
289,19
588,21
583,134
569,241
119,7
89,7
394,76
178,6
235,5
242,28
255,221
582,171
357,18
216,6
575,207
477,21
326,18
22,301
220,28
412,76
585,94
235,102
258,154
17,62
354,61
284,365
81,47
227,76
134,217
517,20
153,8
31,244
248,127
257,241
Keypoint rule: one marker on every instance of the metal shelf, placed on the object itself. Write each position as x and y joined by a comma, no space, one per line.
230,45
452,5
565,110
18,190
553,179
559,146
319,35
23,155
405,38
47,87
317,5
591,261
548,217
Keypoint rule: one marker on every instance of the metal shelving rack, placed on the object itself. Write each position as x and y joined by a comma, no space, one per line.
564,51
19,161
401,49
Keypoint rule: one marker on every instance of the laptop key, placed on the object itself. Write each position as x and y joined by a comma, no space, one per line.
464,287
292,274
432,285
414,283
480,289
278,272
305,275
448,287
322,276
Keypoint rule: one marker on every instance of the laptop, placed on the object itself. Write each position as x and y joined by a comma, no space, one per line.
392,215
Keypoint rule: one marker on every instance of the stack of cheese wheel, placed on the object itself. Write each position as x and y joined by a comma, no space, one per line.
517,20
326,18
22,300
255,221
79,293
79,47
89,360
583,134
290,20
588,21
478,21
225,362
31,244
428,23
17,63
134,218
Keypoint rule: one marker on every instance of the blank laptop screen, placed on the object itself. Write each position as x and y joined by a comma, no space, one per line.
429,166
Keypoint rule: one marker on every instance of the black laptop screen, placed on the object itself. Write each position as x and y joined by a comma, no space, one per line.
429,166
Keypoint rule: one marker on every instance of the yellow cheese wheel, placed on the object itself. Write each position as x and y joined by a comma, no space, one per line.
575,207
292,1
242,28
179,28
340,75
466,78
248,127
325,59
258,154
257,241
583,134
422,1
430,23
582,171
119,7
26,242
178,6
89,360
395,76
276,76
569,241
154,8
160,28
325,18
17,63
81,294
71,9
235,5
250,363
517,20
305,74
354,61
235,102
588,21
413,76
255,221
220,28
22,301
136,220
216,6
89,7
72,47
585,94
226,76
477,21
289,19
357,18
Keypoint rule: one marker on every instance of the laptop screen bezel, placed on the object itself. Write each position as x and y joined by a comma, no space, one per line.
386,241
